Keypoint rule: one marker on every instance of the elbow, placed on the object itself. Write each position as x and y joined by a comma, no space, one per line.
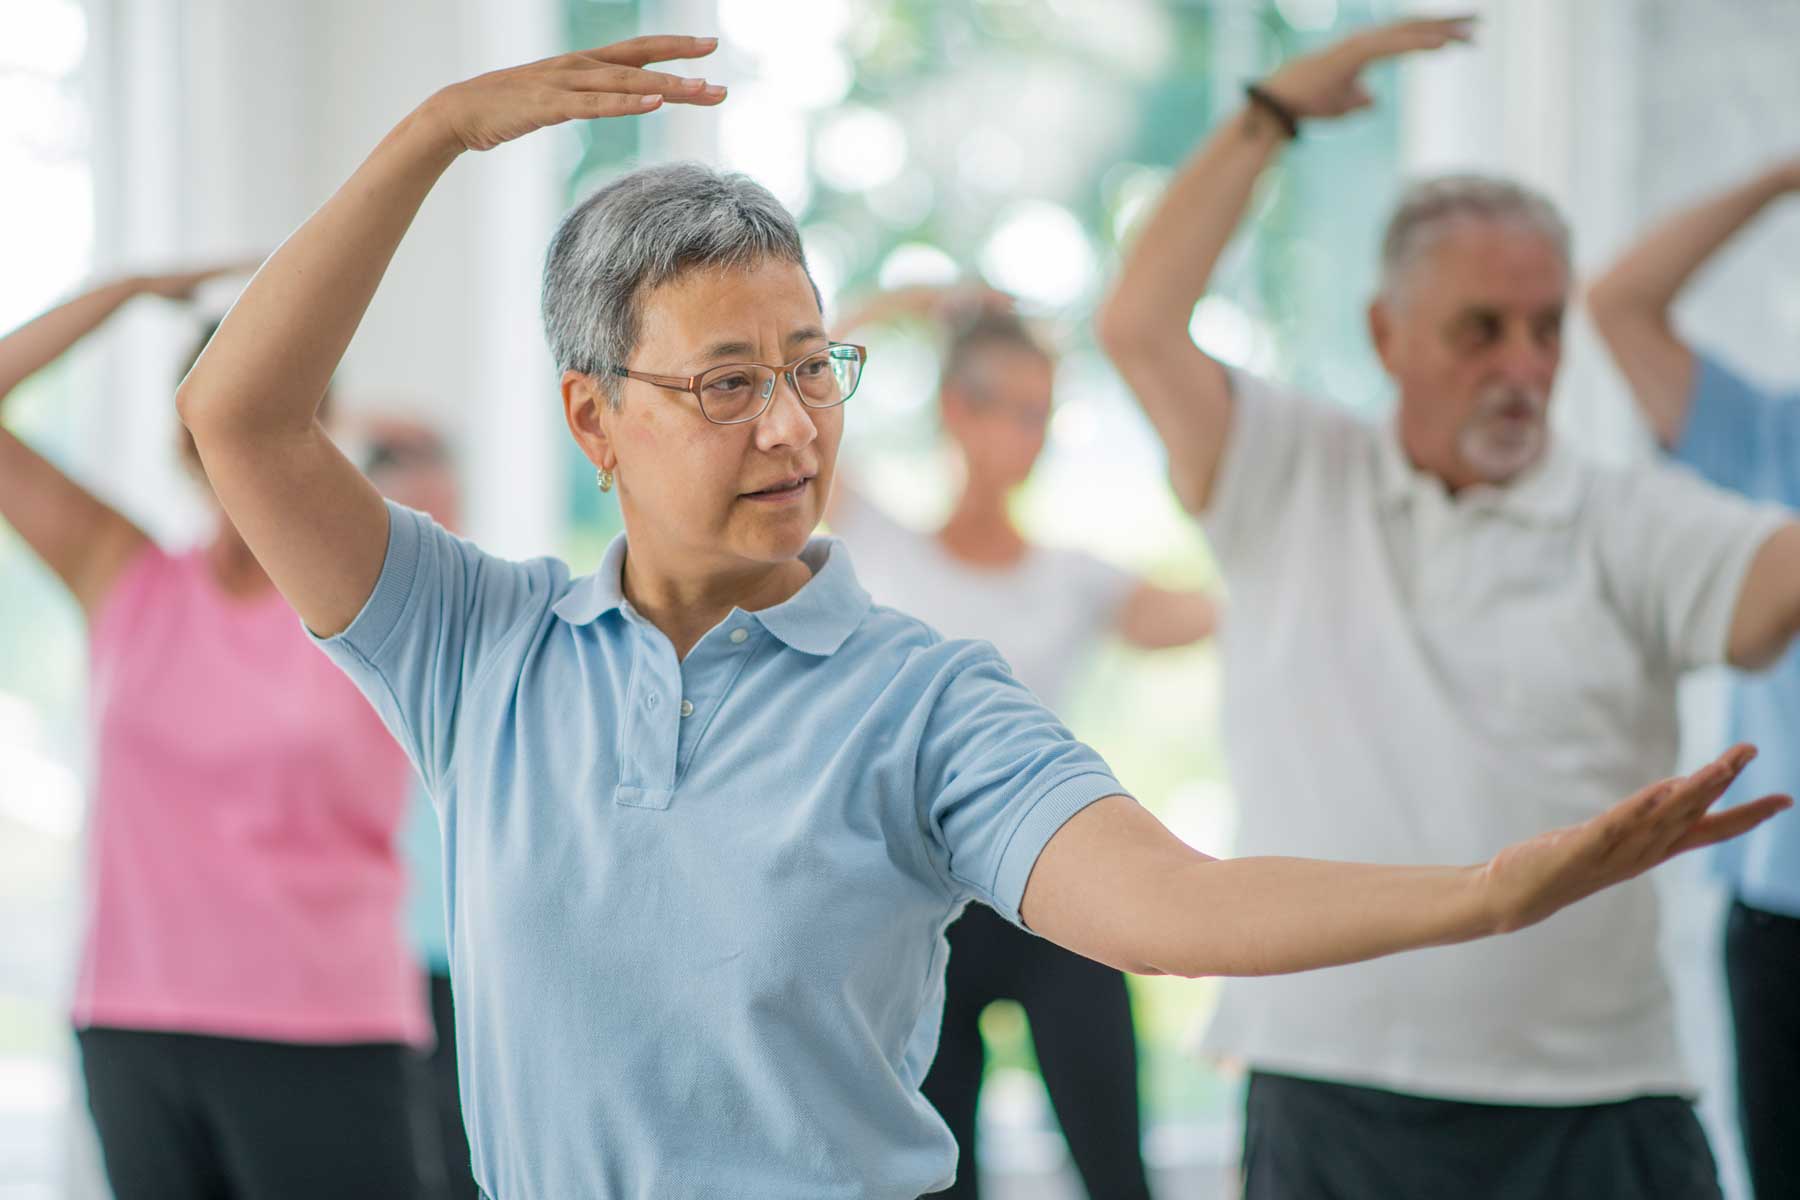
1756,657
1112,328
187,404
1612,306
205,412
1124,335
1604,306
194,408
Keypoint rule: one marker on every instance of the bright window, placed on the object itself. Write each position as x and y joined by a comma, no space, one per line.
46,237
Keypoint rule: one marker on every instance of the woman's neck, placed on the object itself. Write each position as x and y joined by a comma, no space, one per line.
234,568
684,606
980,531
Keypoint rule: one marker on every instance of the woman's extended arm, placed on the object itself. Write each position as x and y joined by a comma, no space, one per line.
1116,886
316,525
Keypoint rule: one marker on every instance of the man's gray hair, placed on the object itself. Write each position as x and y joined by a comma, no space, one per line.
1428,208
638,232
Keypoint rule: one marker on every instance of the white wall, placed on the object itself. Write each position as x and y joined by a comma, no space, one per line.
225,122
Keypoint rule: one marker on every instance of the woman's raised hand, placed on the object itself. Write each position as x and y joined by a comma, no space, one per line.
483,112
1530,880
1328,82
181,285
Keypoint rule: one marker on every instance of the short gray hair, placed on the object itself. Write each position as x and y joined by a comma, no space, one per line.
1430,206
638,232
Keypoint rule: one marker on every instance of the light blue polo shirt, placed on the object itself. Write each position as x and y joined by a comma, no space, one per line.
697,908
1747,439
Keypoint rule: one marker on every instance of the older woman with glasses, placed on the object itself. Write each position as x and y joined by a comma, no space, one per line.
707,811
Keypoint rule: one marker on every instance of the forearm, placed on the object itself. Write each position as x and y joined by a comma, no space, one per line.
1155,618
41,341
1271,916
1115,885
1170,267
1646,280
268,366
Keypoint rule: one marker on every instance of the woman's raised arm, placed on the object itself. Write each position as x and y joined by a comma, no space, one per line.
82,539
316,525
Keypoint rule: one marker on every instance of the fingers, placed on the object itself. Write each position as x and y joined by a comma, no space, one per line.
1698,791
1733,822
676,89
591,106
1687,801
638,51
1404,37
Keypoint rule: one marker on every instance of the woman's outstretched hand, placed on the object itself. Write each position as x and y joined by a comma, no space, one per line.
488,110
1529,881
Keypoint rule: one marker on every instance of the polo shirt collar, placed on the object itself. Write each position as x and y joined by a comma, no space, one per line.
817,619
1547,493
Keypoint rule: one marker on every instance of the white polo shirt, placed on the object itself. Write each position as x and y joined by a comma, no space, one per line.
1415,678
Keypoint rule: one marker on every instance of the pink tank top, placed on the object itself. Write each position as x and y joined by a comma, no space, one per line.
243,879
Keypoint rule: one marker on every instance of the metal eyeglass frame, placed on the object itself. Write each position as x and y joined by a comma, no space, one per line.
691,383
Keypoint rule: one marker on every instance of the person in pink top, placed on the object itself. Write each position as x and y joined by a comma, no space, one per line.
246,1004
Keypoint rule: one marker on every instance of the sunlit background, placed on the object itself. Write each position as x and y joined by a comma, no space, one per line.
917,142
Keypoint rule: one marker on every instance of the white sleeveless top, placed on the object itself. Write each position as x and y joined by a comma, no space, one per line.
1043,613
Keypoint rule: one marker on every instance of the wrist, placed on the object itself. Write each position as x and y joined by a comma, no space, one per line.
1491,909
1260,127
1284,115
428,132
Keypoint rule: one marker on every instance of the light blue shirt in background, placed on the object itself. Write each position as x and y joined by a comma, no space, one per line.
697,908
1744,438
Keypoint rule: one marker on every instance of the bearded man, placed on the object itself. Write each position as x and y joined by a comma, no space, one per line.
1445,630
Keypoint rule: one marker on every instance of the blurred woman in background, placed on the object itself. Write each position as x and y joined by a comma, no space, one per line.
1045,609
245,1003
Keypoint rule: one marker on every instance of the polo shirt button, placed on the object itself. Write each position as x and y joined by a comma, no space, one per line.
739,636
687,708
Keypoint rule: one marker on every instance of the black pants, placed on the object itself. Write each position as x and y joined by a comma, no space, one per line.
444,1142
186,1117
1080,1019
1762,969
1309,1140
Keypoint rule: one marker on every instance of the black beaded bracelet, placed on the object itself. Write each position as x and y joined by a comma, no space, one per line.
1284,116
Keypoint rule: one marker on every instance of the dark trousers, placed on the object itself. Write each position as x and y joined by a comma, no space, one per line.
444,1141
1309,1140
1762,970
188,1117
1080,1019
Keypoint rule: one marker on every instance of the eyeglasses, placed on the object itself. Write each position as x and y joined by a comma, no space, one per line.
737,392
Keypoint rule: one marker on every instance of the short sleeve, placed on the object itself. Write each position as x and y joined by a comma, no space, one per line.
438,613
1271,435
1741,436
997,776
1676,551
